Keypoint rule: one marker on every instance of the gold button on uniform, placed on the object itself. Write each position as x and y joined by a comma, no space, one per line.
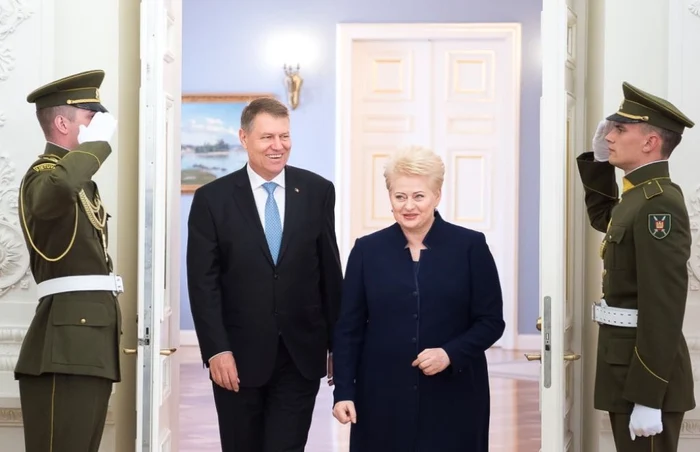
83,321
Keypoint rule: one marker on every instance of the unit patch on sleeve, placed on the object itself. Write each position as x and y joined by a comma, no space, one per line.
659,225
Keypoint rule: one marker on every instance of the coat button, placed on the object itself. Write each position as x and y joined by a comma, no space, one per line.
276,276
83,321
415,294
415,316
413,340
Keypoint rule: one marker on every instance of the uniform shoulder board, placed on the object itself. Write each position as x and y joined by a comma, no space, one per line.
46,166
652,188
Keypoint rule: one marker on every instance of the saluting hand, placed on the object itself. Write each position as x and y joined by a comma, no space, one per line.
224,372
601,149
345,412
432,361
101,128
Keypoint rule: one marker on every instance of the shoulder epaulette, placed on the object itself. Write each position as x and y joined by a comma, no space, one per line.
652,189
46,166
46,162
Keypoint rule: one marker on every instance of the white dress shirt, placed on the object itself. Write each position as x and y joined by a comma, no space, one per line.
260,194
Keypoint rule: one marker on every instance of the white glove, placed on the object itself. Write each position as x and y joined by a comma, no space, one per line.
101,128
645,421
601,152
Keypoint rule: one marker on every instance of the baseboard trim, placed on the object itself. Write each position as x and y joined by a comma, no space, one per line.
529,342
188,338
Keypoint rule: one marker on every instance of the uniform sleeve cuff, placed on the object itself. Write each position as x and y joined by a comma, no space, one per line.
643,386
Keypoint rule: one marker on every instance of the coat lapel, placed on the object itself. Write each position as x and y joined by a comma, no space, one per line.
294,195
243,196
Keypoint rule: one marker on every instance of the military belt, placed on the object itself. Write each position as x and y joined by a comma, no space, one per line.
602,313
80,283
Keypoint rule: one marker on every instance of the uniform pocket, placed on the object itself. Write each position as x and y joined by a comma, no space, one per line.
618,356
79,329
615,258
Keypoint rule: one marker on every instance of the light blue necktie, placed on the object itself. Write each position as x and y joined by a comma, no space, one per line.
273,224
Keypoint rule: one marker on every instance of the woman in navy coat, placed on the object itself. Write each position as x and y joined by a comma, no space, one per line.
421,304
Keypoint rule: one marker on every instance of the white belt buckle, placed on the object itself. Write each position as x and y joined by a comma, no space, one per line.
594,307
119,284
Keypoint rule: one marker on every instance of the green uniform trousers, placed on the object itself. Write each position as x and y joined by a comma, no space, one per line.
63,413
666,441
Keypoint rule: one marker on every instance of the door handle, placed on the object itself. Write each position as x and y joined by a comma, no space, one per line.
538,356
538,324
571,357
164,352
533,356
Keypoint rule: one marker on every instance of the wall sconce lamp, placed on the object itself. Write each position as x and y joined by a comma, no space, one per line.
293,82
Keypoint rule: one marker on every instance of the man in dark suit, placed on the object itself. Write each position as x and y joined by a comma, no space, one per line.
264,278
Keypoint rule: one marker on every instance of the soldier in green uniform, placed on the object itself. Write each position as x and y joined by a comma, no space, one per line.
644,376
69,358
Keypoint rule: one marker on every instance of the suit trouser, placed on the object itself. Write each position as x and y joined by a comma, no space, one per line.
273,418
666,441
63,413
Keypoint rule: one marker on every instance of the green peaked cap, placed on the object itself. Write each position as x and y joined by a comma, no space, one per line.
640,106
81,90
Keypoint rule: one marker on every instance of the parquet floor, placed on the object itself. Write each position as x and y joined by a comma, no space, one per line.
515,419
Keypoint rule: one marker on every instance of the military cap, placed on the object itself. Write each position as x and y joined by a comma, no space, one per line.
80,90
640,106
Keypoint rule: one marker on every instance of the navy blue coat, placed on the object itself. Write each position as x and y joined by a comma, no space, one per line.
392,309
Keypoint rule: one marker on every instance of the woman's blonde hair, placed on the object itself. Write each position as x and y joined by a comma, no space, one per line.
415,161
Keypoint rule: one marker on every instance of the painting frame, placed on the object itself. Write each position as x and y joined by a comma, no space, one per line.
191,179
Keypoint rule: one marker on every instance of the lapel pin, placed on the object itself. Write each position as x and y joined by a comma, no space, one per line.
296,189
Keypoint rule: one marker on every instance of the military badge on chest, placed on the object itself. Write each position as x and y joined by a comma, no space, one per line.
659,225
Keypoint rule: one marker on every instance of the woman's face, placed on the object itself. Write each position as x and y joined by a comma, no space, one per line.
413,202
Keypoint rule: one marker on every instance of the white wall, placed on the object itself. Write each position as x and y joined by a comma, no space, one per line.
45,40
653,44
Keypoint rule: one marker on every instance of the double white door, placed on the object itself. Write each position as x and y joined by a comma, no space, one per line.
459,97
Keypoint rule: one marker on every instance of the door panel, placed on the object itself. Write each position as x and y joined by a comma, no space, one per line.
460,98
159,222
561,223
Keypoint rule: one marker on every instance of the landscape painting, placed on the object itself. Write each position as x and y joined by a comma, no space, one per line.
209,136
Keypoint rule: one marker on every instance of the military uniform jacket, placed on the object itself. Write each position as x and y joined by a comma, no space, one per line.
65,228
645,251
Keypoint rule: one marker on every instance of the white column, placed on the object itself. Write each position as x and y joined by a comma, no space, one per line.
653,44
41,40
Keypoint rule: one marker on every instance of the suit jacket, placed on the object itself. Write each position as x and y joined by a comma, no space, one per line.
645,252
240,300
74,332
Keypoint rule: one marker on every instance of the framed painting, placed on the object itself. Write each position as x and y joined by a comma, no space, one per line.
210,147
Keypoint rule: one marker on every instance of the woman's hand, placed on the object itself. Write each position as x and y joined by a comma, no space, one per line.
432,361
344,411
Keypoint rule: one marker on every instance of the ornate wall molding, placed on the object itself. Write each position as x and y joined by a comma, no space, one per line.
10,342
14,258
12,13
694,7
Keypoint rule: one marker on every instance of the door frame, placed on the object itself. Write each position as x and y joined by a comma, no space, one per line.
346,35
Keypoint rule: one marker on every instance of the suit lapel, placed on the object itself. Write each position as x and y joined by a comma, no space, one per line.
294,196
243,196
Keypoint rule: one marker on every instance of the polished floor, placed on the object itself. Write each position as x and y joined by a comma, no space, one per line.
515,420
